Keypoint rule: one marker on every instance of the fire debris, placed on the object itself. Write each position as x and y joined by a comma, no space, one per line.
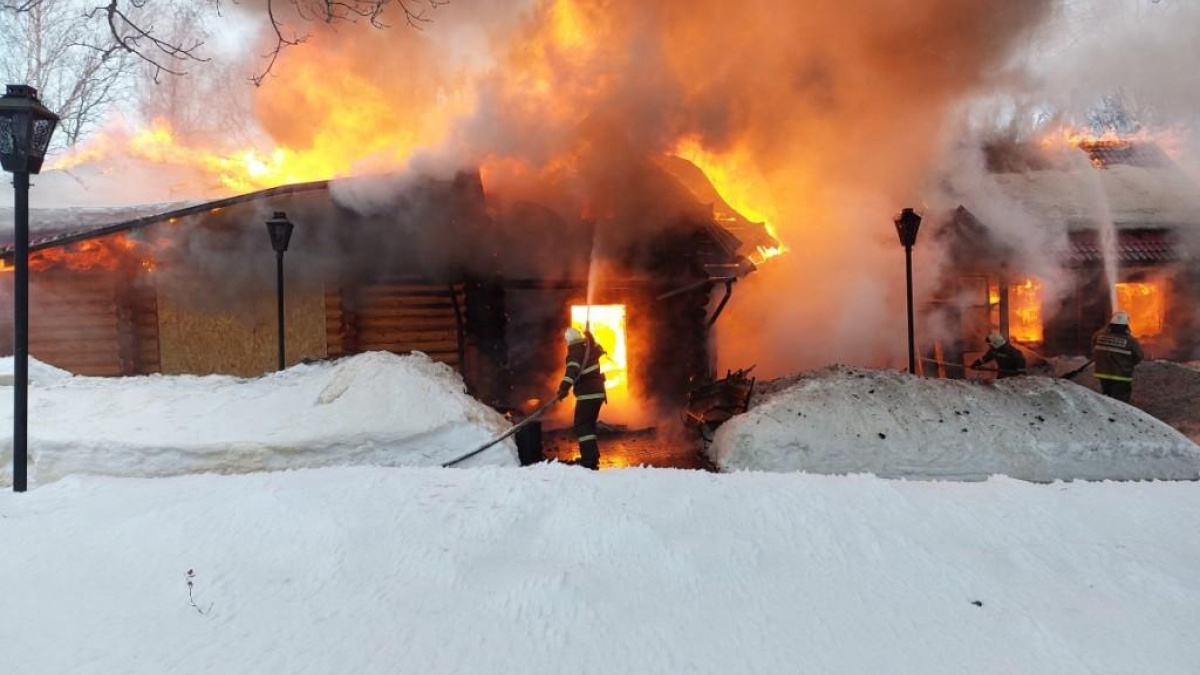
711,405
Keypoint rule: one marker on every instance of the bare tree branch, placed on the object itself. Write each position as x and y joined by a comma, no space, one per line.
133,31
334,11
141,41
50,46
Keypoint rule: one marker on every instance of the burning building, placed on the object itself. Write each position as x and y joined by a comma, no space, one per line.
481,281
1116,225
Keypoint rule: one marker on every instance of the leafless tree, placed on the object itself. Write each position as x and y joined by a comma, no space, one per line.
50,44
130,26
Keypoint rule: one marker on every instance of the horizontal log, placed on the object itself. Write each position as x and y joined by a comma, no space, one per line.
77,283
72,338
441,346
84,332
99,371
408,289
71,305
146,352
77,364
69,298
439,322
62,327
403,313
72,317
368,304
75,356
404,336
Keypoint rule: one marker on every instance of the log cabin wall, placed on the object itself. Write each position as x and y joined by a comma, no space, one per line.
89,322
400,317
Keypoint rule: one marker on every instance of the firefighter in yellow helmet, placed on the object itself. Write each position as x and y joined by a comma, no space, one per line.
1116,353
583,374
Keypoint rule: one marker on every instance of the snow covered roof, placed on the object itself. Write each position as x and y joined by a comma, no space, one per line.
50,227
659,206
1135,184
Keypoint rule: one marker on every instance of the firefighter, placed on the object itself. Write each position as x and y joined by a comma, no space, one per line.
583,373
1010,362
1116,352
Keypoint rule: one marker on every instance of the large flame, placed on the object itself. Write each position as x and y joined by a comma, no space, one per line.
1168,140
1025,312
803,116
607,324
1145,302
739,182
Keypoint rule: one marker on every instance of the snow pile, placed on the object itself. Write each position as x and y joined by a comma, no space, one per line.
39,373
1167,391
557,570
843,420
376,408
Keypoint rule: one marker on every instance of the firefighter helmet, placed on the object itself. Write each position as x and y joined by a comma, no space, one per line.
1120,319
572,335
996,340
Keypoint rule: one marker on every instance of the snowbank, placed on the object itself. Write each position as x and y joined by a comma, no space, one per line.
1166,391
377,408
556,570
844,420
39,373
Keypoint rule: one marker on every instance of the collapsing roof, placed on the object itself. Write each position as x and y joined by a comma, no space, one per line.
452,223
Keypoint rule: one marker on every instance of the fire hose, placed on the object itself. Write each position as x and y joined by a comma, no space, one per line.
504,436
1065,376
587,351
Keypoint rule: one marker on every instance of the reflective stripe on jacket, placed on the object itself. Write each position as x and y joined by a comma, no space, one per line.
1116,353
583,370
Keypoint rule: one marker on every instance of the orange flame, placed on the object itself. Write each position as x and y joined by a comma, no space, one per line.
607,323
105,253
738,181
1073,137
1145,303
1025,312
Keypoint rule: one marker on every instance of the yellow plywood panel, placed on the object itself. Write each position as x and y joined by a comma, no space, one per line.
205,338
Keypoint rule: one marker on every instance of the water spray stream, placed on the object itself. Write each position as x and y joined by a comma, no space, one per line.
1106,229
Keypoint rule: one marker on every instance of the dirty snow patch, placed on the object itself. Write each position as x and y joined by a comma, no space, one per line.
1165,390
844,420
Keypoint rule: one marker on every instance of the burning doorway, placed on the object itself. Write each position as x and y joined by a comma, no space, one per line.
608,324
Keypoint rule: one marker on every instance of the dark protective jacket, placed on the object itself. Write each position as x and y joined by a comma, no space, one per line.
583,370
1116,353
1009,360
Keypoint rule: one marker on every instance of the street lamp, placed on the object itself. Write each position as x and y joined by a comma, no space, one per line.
907,225
25,130
280,229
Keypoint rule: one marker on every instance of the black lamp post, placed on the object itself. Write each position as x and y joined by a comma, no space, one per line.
25,130
907,225
280,229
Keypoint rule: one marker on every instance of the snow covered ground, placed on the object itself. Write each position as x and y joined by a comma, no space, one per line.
558,570
376,408
845,420
1167,391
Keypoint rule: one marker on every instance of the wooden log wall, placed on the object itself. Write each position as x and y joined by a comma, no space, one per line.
97,323
396,317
